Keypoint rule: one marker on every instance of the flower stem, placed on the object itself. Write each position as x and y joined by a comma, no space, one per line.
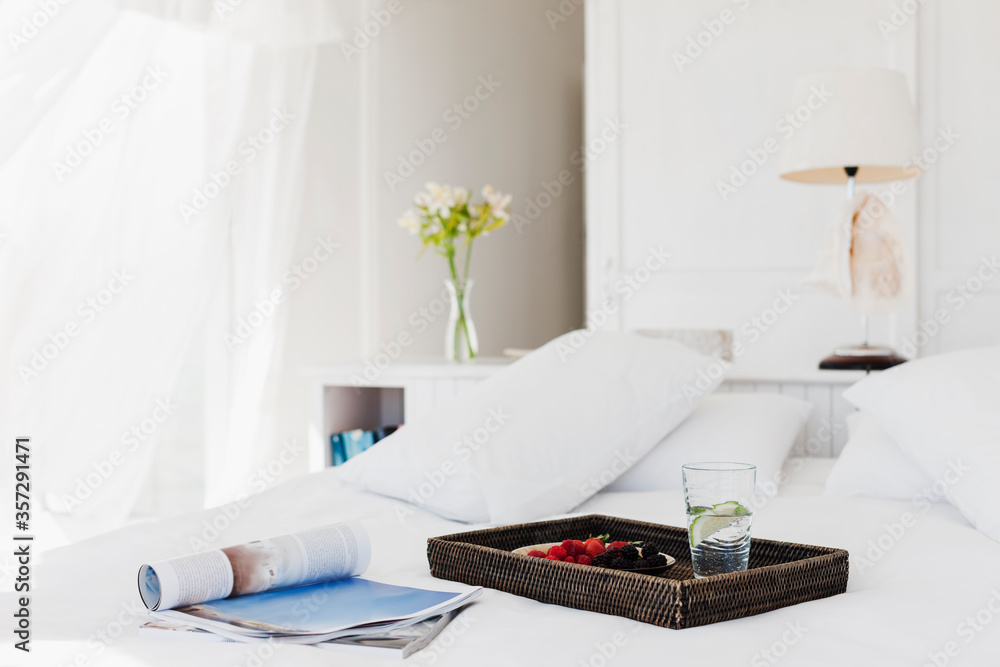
460,296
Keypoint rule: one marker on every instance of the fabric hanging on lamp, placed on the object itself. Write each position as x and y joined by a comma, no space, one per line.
865,132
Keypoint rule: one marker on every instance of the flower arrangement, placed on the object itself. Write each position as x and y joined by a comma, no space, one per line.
446,219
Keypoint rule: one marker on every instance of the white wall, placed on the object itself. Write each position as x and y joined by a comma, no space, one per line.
689,125
370,110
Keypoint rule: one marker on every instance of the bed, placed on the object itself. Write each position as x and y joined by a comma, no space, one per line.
536,440
914,601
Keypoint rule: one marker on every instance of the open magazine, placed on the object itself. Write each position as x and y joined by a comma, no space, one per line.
400,643
301,588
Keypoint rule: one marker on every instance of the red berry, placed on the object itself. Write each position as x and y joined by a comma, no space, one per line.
569,559
617,545
535,553
570,547
593,547
552,558
558,552
580,548
584,560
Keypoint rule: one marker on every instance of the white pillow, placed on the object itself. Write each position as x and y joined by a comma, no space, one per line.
746,428
874,466
945,412
544,434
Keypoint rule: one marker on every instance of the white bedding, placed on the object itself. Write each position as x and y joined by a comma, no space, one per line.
909,603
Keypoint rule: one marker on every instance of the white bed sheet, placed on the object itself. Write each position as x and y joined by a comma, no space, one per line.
911,602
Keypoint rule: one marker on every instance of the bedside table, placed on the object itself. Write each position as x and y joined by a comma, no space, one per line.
358,395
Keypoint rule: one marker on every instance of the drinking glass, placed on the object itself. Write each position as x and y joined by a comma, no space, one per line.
719,513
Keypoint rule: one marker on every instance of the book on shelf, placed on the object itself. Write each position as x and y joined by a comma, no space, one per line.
347,444
300,588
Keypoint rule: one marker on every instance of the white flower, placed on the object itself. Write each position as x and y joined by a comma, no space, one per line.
410,221
497,201
441,199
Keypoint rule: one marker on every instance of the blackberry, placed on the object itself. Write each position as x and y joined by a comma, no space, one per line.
649,549
613,552
618,564
601,559
657,560
629,552
642,564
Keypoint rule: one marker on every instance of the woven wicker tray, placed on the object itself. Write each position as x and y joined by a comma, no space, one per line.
780,573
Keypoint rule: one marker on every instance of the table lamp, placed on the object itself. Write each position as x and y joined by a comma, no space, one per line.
864,132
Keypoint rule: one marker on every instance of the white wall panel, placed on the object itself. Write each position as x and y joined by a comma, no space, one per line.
688,125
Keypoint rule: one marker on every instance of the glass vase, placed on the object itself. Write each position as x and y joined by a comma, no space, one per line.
460,342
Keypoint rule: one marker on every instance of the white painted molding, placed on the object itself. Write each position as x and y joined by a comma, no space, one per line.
368,110
603,207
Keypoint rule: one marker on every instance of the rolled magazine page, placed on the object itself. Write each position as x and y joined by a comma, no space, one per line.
322,554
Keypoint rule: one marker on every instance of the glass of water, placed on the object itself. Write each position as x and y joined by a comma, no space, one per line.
719,513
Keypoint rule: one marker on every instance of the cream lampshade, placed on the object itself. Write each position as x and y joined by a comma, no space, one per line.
867,122
862,128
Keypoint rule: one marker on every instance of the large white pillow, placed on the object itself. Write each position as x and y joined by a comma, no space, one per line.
874,466
945,412
544,434
747,428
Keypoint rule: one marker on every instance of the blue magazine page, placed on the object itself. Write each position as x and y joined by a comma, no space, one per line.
318,609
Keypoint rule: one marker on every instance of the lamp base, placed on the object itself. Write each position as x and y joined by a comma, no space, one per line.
862,358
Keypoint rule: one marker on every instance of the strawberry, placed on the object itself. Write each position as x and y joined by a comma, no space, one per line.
617,545
569,559
535,553
584,559
593,547
558,551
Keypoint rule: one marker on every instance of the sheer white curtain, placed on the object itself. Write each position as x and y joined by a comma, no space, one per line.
149,191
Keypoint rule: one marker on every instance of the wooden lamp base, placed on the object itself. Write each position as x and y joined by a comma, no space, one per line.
862,358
